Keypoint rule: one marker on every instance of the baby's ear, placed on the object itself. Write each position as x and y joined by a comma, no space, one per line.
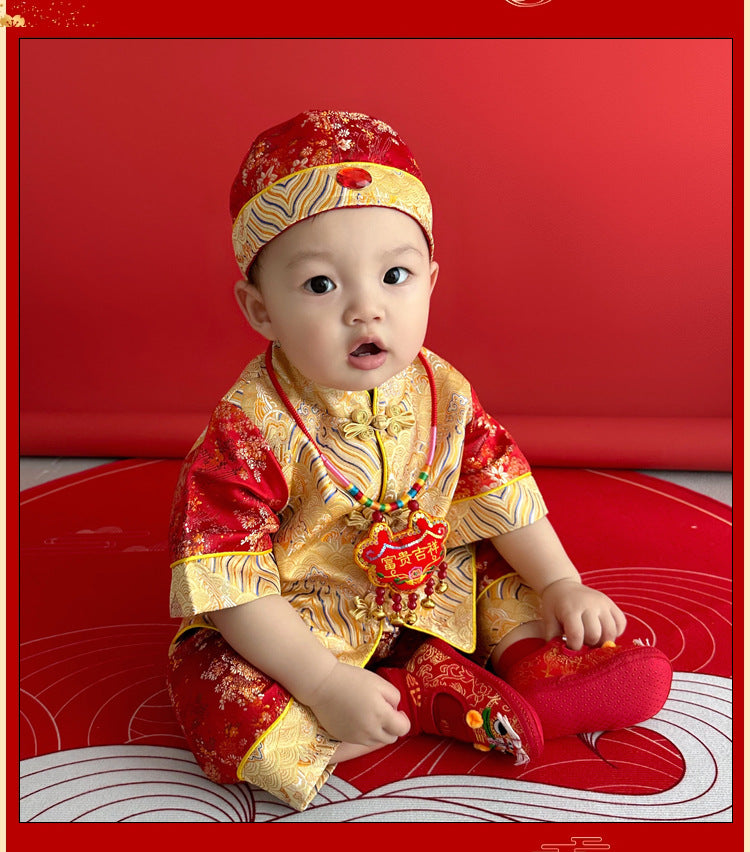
251,303
434,270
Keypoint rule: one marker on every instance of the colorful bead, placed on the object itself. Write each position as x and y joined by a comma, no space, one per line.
379,600
429,588
442,586
355,178
352,173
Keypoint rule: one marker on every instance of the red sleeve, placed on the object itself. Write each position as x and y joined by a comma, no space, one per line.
230,490
491,457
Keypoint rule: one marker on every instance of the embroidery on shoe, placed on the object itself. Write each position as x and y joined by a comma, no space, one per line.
500,734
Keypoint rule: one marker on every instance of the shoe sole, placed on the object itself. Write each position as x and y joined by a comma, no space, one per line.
596,700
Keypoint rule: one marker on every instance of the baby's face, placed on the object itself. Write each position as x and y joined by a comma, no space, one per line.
346,294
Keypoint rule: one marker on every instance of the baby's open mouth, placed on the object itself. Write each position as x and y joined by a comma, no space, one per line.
369,355
366,349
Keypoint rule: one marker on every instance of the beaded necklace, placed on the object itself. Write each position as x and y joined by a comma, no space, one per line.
402,561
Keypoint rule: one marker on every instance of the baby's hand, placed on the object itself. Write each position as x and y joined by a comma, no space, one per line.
584,615
357,706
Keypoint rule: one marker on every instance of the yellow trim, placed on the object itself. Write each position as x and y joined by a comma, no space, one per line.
391,187
469,649
494,583
286,709
493,490
375,645
219,555
381,447
193,625
332,167
260,739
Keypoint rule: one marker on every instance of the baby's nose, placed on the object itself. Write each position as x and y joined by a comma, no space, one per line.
364,306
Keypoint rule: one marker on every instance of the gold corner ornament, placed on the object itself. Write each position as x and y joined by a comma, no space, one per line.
7,20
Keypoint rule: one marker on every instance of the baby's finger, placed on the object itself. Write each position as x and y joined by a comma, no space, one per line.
398,725
620,621
574,634
592,628
391,694
551,627
608,628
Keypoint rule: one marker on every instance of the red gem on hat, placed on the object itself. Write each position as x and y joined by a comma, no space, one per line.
353,178
315,138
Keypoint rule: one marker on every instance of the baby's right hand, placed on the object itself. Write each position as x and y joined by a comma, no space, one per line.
357,706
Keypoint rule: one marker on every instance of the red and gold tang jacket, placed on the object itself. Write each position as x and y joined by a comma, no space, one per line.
256,512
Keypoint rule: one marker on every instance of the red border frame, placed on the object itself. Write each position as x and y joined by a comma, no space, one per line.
502,18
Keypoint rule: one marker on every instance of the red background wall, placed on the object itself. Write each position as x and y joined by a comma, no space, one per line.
582,193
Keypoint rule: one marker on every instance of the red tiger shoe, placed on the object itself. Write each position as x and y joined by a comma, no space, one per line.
444,693
594,689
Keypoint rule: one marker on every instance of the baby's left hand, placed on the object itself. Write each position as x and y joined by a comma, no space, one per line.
582,614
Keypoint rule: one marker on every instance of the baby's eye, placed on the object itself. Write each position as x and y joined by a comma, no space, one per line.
396,275
319,284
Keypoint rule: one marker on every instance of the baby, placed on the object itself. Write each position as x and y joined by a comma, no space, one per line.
360,552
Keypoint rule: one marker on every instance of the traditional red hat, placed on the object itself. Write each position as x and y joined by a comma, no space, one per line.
317,161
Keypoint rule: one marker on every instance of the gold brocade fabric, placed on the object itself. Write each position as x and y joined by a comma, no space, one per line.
311,559
501,607
256,513
293,759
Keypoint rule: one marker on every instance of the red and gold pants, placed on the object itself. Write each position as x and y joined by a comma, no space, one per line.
242,726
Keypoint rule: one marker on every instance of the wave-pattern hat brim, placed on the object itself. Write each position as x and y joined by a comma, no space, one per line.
315,190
